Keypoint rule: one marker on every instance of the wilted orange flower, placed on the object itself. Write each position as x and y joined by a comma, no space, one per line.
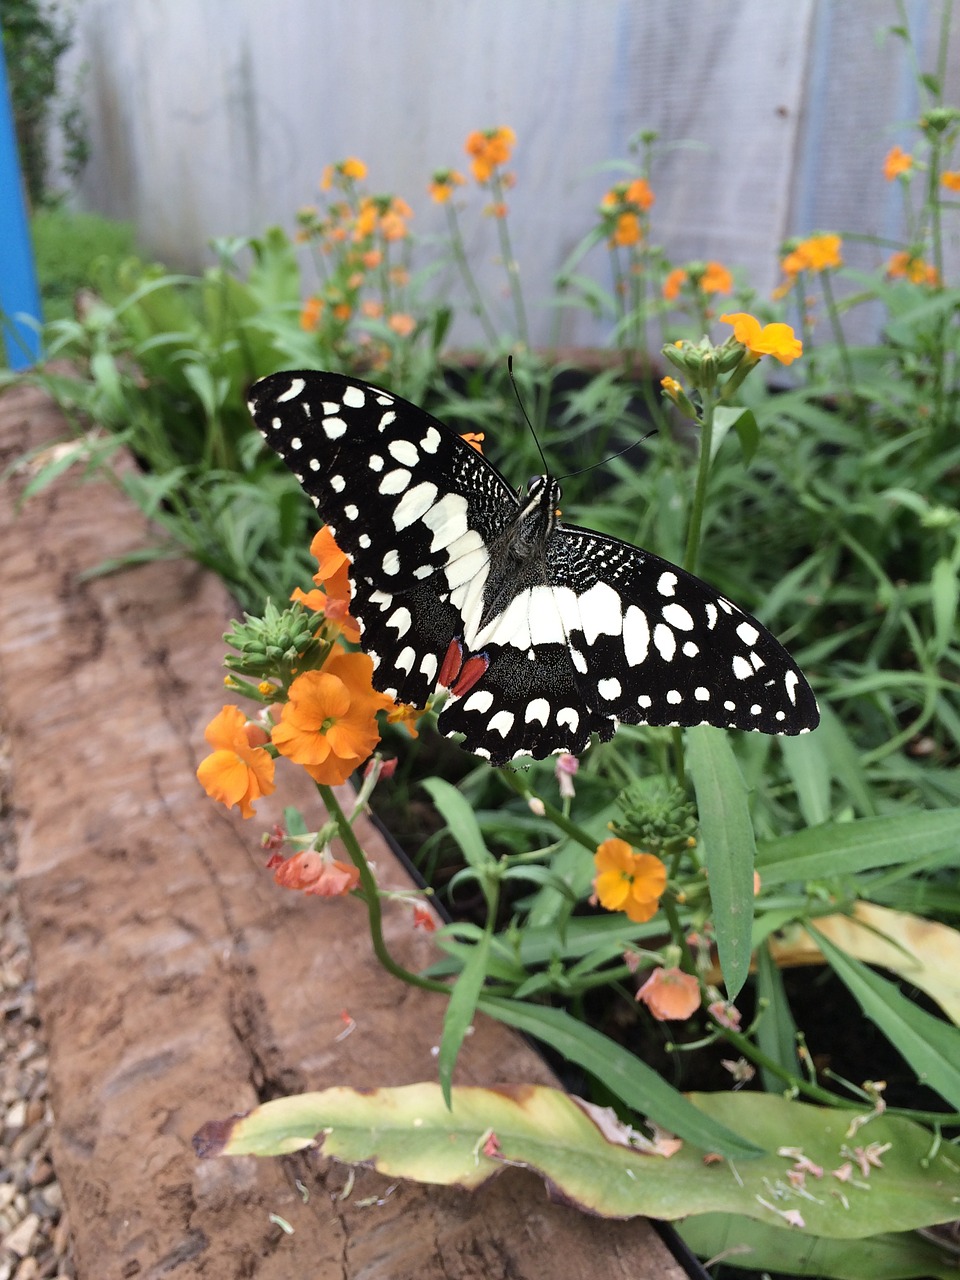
777,340
897,162
443,184
627,881
627,230
407,715
310,314
907,266
716,279
317,873
489,148
674,283
329,722
423,918
951,179
402,324
670,994
240,770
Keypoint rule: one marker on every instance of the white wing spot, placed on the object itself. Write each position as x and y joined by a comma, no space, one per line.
395,481
314,464
636,636
741,668
431,441
334,427
447,519
296,442
791,680
502,723
600,612
748,634
689,649
337,483
354,397
480,701
414,504
711,610
404,451
725,605
376,462
382,598
291,393
423,571
664,641
674,696
667,584
756,660
729,706
645,701
400,618
539,710
609,688
701,694
329,408
756,709
567,715
385,421
429,665
391,562
351,512
677,616
405,659
364,540
579,661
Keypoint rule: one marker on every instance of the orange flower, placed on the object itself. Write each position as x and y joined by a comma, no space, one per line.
240,770
333,601
627,230
407,715
716,279
897,162
670,994
423,918
475,439
489,148
951,179
402,324
372,309
907,266
443,184
674,283
352,168
639,193
310,314
317,873
627,881
777,340
329,723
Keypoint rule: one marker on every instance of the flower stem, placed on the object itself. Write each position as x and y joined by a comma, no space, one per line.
371,896
695,526
463,266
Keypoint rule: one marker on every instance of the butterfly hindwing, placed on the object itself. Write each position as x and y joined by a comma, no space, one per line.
544,634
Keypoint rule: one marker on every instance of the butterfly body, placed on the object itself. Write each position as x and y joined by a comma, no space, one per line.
543,633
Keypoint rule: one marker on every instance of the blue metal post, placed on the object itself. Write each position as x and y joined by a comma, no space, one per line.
19,296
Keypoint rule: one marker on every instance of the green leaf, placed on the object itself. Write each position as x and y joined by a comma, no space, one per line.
944,597
593,1161
757,1247
461,820
741,420
776,1029
809,769
842,848
629,1079
729,848
930,1045
461,1007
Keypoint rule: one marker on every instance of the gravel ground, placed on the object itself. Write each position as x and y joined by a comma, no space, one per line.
34,1229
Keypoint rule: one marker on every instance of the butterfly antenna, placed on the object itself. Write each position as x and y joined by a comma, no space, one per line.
604,461
526,418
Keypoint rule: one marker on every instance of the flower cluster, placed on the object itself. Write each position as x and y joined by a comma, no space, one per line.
623,211
820,252
489,150
705,277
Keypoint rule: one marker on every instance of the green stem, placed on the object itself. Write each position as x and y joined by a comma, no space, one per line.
840,339
556,816
370,893
463,266
510,263
695,527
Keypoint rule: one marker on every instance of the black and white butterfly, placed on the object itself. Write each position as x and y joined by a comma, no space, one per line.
542,633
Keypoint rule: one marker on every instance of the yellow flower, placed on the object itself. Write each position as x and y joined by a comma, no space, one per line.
777,340
716,279
240,770
629,882
908,266
897,162
444,183
674,283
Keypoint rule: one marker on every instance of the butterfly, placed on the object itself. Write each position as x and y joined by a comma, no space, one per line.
543,634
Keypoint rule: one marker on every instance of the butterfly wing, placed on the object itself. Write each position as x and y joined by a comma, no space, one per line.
414,507
619,635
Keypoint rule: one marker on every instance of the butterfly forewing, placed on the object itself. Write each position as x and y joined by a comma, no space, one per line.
545,633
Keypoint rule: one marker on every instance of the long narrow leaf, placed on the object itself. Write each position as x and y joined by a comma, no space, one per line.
626,1076
728,840
461,820
931,1046
461,1007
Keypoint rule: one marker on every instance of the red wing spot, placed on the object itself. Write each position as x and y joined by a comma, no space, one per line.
452,662
471,672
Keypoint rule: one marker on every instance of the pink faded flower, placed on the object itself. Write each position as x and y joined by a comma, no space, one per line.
565,771
728,1015
670,994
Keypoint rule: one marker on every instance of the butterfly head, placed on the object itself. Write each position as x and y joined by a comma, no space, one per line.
537,517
